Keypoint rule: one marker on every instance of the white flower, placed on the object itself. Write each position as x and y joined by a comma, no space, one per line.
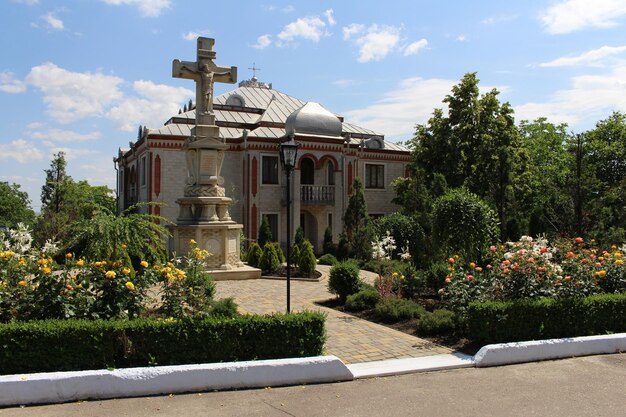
50,248
508,255
21,238
526,239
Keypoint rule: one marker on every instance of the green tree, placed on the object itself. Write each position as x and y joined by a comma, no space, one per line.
357,223
306,258
14,206
328,246
54,189
265,233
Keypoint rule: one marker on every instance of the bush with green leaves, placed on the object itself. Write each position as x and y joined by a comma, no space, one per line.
269,261
393,310
438,322
463,224
265,233
254,255
294,255
407,234
299,238
279,252
226,307
327,259
365,299
328,246
306,260
344,279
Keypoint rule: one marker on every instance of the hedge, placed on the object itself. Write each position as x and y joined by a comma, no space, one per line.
68,345
513,321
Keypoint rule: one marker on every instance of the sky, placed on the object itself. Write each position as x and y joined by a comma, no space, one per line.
80,76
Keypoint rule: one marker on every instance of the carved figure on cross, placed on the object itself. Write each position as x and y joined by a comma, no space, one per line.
205,73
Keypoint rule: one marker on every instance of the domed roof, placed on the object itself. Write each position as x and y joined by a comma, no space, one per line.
313,119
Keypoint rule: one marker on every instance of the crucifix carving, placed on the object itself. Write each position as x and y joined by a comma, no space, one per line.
205,73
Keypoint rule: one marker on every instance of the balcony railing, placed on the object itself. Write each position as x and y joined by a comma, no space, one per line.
317,194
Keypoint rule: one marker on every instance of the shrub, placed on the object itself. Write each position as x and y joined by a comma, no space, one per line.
463,224
269,258
328,246
546,318
254,255
343,247
392,310
437,322
279,252
344,279
365,299
299,237
436,275
406,232
307,261
82,344
327,259
265,233
295,255
226,307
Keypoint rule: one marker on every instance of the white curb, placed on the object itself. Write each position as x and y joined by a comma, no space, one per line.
411,365
538,350
58,387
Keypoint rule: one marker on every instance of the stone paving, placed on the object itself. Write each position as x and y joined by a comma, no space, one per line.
350,338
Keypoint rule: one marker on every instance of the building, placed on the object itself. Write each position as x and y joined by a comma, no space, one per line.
253,120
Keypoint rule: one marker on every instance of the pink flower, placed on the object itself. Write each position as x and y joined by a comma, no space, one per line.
598,265
470,278
579,240
531,260
493,248
544,250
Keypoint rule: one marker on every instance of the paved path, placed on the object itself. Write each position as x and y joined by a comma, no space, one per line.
349,338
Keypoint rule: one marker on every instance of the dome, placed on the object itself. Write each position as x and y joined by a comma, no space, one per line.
313,119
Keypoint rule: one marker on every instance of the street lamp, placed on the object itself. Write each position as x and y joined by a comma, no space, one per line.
288,155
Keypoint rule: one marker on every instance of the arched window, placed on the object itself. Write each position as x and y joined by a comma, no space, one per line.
330,173
307,171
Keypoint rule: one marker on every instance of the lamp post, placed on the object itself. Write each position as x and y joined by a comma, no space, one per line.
288,155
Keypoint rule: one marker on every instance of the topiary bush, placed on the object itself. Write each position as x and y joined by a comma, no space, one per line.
437,322
463,224
327,259
254,255
279,252
299,238
226,307
306,260
269,261
365,299
294,255
392,310
344,279
265,232
328,246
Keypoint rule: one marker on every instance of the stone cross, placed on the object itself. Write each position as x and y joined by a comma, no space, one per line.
205,73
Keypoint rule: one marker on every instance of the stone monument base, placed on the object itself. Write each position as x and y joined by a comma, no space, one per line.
222,241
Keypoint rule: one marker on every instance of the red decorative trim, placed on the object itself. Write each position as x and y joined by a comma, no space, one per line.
157,212
307,155
255,174
330,158
157,175
350,177
253,226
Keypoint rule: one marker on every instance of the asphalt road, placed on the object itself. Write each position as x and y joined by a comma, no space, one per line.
589,386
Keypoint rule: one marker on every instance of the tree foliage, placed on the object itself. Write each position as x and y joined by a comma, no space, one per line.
14,206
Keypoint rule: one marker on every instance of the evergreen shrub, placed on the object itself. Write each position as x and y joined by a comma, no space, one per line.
344,279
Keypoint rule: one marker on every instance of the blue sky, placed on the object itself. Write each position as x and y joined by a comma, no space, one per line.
82,75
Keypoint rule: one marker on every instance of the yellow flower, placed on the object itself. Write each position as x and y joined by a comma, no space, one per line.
613,247
601,273
23,283
478,269
144,264
124,246
130,285
126,271
472,265
46,270
618,254
110,274
619,262
395,274
193,242
68,255
80,263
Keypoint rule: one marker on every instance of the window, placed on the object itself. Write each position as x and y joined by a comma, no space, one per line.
272,219
269,170
307,171
330,173
374,176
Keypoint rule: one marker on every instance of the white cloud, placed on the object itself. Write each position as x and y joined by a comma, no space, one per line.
59,135
329,17
70,96
53,22
492,20
192,35
344,83
154,104
27,2
415,47
593,58
21,151
572,15
147,8
263,42
352,29
311,28
377,42
398,112
71,154
461,38
9,84
590,98
288,9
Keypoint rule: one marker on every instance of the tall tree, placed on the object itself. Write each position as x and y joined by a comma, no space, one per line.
54,189
356,222
14,206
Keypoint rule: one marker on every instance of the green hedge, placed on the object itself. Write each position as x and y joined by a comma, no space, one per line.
513,321
67,345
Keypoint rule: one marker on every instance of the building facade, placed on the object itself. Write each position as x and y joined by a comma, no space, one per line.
253,120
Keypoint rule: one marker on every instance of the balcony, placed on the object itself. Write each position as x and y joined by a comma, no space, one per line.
317,194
